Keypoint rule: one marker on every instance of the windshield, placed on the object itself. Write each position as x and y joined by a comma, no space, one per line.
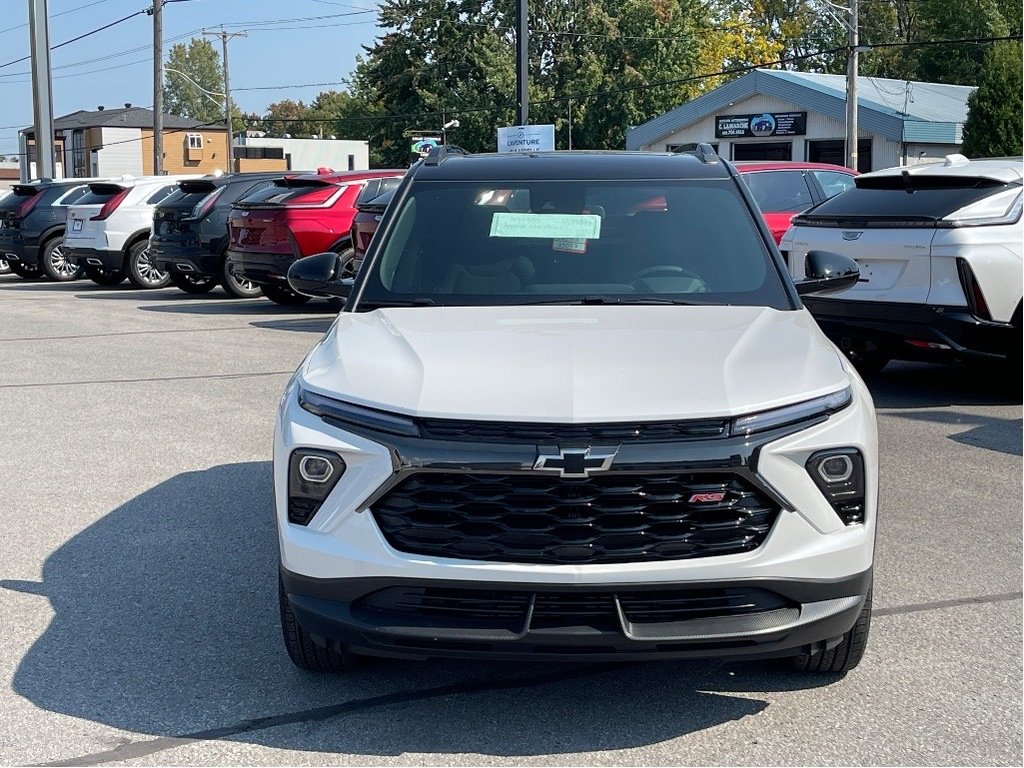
492,243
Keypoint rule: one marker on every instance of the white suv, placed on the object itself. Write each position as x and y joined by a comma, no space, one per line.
586,417
108,229
939,252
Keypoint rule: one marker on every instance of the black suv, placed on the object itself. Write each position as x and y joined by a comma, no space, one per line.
32,228
190,232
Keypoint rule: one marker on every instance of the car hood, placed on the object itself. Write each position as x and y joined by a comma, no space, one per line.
574,364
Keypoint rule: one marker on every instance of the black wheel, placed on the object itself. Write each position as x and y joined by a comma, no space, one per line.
844,656
25,271
235,286
56,265
142,272
302,650
192,283
347,264
870,363
5,268
285,296
106,277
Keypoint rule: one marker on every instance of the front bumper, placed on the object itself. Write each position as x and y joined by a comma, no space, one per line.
805,617
912,331
261,268
93,257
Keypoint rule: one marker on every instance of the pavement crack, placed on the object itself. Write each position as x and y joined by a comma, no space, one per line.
136,749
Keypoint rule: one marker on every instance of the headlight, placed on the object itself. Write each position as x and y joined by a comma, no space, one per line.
346,414
839,474
312,475
791,414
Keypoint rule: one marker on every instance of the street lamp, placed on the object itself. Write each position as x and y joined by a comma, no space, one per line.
444,130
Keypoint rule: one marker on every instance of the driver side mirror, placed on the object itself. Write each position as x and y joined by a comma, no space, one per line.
319,276
827,272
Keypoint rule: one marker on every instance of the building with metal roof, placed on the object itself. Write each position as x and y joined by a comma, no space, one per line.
781,115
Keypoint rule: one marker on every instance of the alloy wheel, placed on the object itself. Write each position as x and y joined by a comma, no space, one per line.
148,272
61,265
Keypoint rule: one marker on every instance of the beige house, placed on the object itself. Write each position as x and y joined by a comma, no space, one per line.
116,142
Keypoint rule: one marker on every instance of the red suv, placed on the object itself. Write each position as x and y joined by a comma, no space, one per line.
784,189
294,217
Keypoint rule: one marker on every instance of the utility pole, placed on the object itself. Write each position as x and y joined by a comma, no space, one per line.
224,37
42,96
522,64
158,88
851,89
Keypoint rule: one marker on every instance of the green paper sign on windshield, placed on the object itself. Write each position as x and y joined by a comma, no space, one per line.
568,226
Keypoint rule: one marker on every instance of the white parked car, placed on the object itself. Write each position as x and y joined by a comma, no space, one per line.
939,252
574,409
108,229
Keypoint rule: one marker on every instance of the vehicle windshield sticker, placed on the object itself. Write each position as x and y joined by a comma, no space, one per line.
561,226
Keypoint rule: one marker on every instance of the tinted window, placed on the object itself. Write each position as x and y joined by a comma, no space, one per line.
833,182
241,189
492,243
779,191
179,198
893,198
283,191
98,194
161,194
375,188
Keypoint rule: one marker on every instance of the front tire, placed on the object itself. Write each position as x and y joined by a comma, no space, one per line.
27,272
844,656
142,272
302,650
193,284
869,363
56,265
235,286
284,296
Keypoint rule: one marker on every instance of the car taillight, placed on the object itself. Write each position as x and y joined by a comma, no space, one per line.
26,208
203,206
111,205
972,291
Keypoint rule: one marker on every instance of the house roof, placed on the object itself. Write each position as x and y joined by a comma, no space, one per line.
900,110
126,117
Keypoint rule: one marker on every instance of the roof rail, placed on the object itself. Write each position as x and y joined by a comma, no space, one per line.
704,151
442,152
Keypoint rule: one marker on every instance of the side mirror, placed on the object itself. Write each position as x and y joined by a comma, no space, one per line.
827,272
319,275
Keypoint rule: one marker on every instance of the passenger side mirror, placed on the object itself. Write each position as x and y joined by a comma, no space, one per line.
827,272
319,275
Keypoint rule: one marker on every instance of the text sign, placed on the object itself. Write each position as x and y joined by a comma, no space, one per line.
526,138
759,126
573,226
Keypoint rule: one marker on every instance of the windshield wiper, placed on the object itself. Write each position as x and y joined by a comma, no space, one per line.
417,302
604,300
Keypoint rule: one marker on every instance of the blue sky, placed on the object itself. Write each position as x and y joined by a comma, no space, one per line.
313,50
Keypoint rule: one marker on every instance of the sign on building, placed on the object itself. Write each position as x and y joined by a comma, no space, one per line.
759,126
526,138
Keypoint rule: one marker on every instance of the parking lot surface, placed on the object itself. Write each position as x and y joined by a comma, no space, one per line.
138,611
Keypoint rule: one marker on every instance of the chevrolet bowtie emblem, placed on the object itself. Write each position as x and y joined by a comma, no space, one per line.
576,462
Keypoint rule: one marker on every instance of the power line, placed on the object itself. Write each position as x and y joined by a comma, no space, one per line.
55,15
80,37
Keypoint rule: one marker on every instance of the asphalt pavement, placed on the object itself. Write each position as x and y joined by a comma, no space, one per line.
138,614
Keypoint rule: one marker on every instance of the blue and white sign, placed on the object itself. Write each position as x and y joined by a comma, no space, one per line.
526,138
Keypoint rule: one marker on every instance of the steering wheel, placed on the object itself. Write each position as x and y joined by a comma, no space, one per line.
665,270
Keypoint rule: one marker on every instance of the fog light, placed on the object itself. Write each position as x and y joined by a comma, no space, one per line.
315,469
839,475
835,469
312,475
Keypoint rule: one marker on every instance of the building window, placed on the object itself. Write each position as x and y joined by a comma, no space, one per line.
195,141
834,151
351,162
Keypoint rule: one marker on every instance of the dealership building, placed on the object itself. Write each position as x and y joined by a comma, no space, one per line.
782,115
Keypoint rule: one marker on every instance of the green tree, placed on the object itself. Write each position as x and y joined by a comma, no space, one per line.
194,83
959,63
994,126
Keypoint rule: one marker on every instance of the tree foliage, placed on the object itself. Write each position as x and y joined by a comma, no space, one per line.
192,68
994,125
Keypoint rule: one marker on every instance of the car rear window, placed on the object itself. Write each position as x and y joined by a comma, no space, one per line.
98,194
161,194
779,191
902,198
375,188
72,196
516,242
284,191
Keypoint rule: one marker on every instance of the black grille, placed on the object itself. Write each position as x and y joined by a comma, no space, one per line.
611,518
500,609
558,434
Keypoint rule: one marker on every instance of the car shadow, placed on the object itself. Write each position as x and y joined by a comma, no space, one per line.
924,385
243,307
165,622
990,432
